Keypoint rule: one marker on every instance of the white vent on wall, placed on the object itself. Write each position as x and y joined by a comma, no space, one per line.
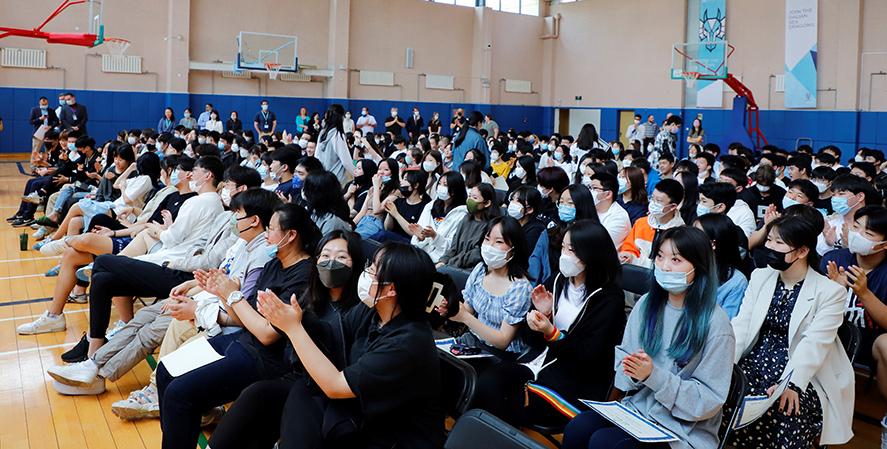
122,64
242,75
439,82
374,78
780,83
289,76
23,57
518,86
409,58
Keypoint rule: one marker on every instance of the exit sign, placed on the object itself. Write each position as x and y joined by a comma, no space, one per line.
578,97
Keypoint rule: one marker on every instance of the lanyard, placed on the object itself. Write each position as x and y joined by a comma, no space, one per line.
265,114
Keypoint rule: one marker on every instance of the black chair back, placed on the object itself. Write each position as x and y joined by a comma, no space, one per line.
738,390
851,337
370,247
636,279
480,429
458,384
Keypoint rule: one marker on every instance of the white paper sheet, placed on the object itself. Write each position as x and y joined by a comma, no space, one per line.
753,407
445,344
632,423
189,357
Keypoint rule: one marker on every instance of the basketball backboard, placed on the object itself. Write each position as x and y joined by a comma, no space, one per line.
255,50
708,59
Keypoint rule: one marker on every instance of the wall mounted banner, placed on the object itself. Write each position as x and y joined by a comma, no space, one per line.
712,28
800,53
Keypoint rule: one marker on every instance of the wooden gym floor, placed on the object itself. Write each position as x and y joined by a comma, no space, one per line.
33,415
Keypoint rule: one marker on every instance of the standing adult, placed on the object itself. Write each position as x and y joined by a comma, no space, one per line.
332,150
491,126
42,118
167,124
650,128
635,130
348,124
302,121
415,124
73,117
434,125
204,116
394,124
458,121
187,121
469,138
234,124
366,122
697,134
58,110
265,121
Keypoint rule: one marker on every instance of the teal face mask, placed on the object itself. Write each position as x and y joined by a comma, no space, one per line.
670,281
566,213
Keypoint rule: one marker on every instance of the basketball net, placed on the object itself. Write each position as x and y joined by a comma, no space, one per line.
273,69
690,79
117,46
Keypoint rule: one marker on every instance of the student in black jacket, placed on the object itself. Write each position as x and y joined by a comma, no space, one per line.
573,332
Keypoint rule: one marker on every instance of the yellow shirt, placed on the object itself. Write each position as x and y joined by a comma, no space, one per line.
502,169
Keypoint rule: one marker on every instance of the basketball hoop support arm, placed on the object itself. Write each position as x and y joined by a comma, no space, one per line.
754,122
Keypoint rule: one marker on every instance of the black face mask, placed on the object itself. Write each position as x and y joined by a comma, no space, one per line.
405,191
359,179
333,273
776,259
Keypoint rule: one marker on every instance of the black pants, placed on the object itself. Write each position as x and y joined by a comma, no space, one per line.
114,275
105,221
501,391
270,410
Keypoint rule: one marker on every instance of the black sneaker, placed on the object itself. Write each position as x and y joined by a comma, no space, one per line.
78,352
13,218
22,222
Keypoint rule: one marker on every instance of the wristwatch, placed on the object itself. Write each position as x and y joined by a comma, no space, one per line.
234,297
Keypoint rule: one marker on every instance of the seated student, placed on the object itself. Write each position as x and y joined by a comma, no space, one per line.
739,179
268,183
765,190
473,173
551,181
664,214
281,169
720,198
777,162
440,218
865,170
386,187
787,327
632,195
731,279
356,191
849,194
798,167
575,202
497,293
690,202
604,189
252,354
388,382
305,165
822,178
243,261
107,236
861,269
402,212
323,194
578,330
523,206
676,354
116,275
800,191
463,251
705,162
523,173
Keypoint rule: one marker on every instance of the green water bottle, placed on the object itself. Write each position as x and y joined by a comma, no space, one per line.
23,239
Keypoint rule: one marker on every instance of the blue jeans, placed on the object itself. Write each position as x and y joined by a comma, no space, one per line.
185,398
590,430
68,192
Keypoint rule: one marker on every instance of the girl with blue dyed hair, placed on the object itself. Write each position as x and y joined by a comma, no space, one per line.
676,356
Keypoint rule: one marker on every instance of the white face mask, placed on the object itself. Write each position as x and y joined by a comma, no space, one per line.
656,210
495,258
594,197
443,193
131,140
571,266
862,246
516,211
626,163
637,122
519,172
586,181
303,143
763,188
859,158
201,140
243,152
226,196
821,186
194,187
394,113
429,166
364,282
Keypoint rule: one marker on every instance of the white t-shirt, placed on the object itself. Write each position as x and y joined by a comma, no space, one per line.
617,222
743,217
569,304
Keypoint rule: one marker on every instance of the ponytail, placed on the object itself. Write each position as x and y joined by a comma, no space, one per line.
473,119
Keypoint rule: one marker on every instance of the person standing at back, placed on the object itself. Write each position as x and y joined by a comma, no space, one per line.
204,116
332,150
41,118
469,138
649,135
302,121
73,116
458,121
491,126
415,124
265,121
635,130
394,124
366,122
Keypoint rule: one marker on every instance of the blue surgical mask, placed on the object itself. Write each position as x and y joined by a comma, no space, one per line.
558,156
672,281
702,210
271,250
385,179
566,213
531,140
297,182
615,150
544,147
788,202
174,178
840,206
71,147
158,145
263,171
623,185
221,146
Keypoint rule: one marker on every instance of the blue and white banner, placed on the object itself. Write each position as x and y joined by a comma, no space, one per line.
801,23
712,28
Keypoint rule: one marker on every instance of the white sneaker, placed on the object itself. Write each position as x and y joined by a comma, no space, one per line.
40,233
111,333
55,247
97,387
43,324
141,404
33,197
80,374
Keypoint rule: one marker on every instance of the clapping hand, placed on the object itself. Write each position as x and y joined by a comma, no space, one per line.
638,365
542,300
287,318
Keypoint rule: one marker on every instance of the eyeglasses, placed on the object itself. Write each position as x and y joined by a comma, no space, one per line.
370,268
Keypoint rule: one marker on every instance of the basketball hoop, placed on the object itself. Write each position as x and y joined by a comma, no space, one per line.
690,78
117,46
273,69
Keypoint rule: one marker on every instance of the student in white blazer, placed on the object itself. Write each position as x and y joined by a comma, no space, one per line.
787,326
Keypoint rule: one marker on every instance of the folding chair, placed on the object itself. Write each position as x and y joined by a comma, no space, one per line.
738,389
458,384
480,429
